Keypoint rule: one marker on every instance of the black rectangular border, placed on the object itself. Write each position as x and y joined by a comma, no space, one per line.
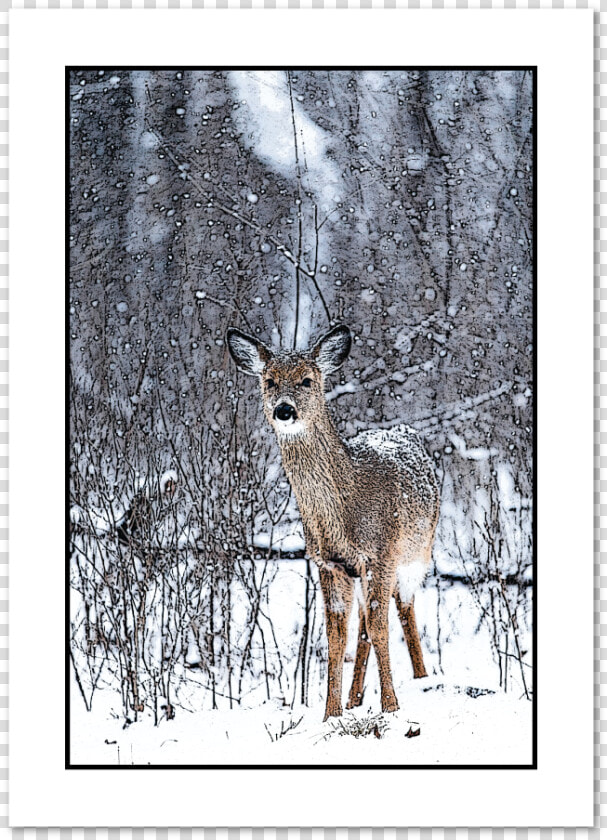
533,69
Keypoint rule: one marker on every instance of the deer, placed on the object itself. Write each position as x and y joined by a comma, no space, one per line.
368,504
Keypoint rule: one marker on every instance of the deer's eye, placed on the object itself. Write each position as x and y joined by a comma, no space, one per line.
270,383
307,383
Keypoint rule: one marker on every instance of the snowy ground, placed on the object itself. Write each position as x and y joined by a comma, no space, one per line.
454,729
462,714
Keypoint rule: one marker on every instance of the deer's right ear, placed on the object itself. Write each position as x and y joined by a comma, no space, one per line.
249,354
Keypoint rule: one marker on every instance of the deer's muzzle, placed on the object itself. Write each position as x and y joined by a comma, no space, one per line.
285,412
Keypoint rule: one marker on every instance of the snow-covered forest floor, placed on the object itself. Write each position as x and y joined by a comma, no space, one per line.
180,662
462,713
454,728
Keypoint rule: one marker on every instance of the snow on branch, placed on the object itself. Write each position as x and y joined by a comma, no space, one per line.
458,410
398,376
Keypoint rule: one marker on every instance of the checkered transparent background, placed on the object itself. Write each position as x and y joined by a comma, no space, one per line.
600,404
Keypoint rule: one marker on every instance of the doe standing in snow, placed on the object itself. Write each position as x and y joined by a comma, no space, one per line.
369,506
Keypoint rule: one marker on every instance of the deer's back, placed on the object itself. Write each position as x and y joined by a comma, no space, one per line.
398,453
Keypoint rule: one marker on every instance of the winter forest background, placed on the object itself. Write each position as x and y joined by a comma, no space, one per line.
283,202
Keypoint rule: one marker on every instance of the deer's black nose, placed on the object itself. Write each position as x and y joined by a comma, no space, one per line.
284,411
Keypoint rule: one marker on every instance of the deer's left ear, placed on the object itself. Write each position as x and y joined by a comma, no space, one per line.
332,350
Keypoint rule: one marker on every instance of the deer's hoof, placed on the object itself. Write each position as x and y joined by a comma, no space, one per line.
390,706
354,702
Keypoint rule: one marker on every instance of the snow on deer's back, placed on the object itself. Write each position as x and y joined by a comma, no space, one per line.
402,445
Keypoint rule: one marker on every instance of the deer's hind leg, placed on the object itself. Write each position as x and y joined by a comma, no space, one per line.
338,590
409,577
360,665
406,613
378,602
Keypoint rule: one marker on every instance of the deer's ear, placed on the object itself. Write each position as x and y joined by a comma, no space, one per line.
332,350
249,354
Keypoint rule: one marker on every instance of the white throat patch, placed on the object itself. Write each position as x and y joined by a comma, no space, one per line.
289,428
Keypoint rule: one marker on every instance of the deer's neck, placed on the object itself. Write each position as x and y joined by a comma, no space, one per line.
317,458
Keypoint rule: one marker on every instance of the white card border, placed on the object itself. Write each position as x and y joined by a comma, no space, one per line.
552,795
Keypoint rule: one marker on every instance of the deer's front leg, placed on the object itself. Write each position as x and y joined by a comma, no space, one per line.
360,665
338,590
312,547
